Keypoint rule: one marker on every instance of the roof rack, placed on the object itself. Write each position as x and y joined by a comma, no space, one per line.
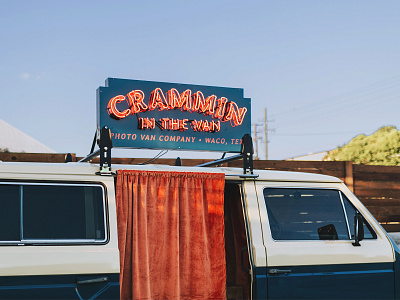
105,145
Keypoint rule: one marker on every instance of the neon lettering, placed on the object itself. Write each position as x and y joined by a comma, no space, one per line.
234,114
164,123
203,106
112,108
215,126
136,98
196,125
157,99
181,101
220,109
206,126
146,123
183,124
173,124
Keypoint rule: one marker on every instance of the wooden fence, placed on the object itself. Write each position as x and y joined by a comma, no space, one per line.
378,187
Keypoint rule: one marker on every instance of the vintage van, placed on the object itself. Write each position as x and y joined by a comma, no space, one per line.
306,236
286,235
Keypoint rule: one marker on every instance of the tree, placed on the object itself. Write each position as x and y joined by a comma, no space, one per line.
379,148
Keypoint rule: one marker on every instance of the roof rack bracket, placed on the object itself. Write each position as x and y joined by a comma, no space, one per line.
105,145
246,154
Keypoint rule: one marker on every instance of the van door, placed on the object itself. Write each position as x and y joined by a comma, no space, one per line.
309,235
244,248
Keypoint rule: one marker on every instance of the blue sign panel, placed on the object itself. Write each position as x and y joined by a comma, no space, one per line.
161,115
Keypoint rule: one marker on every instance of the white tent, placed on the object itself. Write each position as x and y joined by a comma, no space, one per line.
14,140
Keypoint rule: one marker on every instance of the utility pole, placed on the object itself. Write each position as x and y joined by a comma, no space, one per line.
255,142
266,133
261,133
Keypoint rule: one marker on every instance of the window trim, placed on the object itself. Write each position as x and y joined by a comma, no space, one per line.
54,242
365,222
345,215
317,188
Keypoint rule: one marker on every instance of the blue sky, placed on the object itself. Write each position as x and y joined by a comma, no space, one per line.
325,70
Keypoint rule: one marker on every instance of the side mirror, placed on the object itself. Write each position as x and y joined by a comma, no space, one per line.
358,228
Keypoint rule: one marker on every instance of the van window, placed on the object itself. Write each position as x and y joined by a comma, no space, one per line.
44,213
309,214
9,213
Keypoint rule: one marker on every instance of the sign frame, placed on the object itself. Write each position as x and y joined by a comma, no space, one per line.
162,115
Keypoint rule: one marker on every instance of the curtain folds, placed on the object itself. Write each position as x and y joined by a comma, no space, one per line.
171,235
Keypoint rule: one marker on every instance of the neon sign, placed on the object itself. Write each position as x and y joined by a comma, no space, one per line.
140,113
221,109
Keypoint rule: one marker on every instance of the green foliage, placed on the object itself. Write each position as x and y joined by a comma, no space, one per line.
379,148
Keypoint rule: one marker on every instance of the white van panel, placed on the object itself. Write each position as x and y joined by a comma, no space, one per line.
58,260
254,220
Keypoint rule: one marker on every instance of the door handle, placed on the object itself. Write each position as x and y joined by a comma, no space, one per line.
95,280
279,271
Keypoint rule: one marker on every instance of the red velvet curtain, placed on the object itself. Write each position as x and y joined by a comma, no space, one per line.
171,235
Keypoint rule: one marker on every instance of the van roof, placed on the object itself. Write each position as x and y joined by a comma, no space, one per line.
75,168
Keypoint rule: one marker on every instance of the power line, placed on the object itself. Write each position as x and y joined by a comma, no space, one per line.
334,101
317,134
301,119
